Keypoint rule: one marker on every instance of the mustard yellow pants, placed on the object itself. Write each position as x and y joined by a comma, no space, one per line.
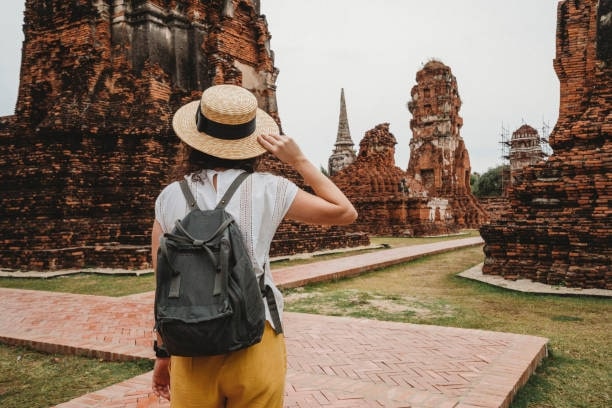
250,378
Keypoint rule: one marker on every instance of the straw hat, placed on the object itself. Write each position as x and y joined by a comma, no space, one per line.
224,123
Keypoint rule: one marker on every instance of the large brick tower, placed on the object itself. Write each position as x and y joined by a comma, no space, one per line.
90,144
438,156
558,229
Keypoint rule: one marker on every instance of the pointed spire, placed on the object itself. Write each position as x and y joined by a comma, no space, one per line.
344,133
344,152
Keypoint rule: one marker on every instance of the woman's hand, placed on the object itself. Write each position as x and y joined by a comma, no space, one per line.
161,378
283,147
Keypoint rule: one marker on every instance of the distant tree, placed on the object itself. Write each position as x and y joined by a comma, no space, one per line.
489,184
324,171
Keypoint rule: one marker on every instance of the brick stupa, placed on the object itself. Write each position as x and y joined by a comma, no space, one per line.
557,230
438,156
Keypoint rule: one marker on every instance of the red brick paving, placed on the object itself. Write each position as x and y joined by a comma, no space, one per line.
333,361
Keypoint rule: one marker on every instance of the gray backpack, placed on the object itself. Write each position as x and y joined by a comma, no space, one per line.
208,300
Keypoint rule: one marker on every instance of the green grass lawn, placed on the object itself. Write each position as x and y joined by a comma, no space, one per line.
29,379
577,373
86,284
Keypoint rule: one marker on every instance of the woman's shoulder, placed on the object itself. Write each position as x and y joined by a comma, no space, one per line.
273,185
263,177
169,190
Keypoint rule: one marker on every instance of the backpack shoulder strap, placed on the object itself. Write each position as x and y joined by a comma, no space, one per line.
191,201
232,189
267,292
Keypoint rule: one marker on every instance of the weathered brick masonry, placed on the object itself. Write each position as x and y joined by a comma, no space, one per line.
433,196
387,202
438,156
90,144
557,229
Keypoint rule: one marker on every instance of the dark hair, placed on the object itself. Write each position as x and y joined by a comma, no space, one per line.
190,160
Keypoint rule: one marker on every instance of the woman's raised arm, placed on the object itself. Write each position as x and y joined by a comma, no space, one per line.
329,205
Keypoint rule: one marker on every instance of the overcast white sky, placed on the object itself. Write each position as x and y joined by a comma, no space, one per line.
500,51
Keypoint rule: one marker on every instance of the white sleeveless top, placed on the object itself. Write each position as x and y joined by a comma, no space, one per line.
258,206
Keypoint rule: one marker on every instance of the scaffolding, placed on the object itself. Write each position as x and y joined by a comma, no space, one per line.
505,158
506,144
546,149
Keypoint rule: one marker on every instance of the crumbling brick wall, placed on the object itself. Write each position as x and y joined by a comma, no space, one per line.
387,200
90,144
373,183
494,206
557,230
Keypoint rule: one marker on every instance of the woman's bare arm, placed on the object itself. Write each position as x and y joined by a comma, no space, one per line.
161,375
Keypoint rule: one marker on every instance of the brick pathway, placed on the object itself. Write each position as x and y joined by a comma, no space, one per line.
300,275
333,361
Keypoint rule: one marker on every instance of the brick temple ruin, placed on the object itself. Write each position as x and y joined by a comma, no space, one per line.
387,203
90,144
557,230
433,196
438,156
524,149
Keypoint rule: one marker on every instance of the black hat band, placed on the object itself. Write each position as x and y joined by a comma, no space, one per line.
221,130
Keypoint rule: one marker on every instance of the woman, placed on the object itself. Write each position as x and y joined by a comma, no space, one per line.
223,135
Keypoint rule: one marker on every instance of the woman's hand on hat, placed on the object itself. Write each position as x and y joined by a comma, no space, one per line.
283,147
